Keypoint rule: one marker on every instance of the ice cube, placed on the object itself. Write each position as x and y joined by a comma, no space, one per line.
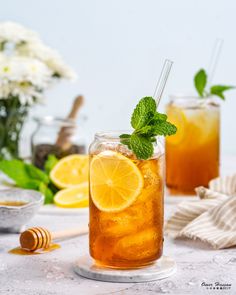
150,170
141,245
128,221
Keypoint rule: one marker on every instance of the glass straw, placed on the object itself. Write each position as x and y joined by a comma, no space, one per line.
162,80
214,60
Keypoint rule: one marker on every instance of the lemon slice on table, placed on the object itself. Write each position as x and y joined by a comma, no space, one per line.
70,171
177,117
115,181
73,197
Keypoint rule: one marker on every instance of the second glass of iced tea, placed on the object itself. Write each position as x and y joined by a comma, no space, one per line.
126,204
192,154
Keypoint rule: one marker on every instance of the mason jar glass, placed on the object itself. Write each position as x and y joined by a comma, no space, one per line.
193,153
57,136
126,203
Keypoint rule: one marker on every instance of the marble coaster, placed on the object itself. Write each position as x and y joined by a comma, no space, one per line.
163,268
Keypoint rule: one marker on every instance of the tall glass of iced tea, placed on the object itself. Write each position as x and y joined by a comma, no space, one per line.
192,154
126,204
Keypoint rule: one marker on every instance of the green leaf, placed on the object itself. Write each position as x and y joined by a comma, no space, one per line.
31,184
200,81
28,176
15,169
143,112
158,117
53,188
141,146
23,174
124,135
35,173
147,124
218,90
159,127
146,130
153,139
164,128
125,139
50,163
48,194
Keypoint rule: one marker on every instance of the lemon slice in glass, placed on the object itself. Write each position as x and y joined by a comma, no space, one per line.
115,181
177,117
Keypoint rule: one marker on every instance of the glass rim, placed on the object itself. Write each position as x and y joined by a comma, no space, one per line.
114,135
189,96
58,121
51,120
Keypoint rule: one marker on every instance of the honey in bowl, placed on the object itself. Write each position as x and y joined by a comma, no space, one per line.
12,203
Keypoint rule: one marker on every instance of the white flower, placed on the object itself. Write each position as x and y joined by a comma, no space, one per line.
24,77
16,33
50,57
25,69
27,66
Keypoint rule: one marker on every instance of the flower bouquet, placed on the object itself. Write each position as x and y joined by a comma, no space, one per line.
27,68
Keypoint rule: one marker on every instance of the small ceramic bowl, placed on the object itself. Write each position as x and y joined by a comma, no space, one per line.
14,218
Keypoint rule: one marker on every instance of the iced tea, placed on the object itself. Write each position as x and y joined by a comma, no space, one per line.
125,227
192,154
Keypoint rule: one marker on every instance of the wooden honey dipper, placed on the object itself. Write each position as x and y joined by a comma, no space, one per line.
64,140
36,238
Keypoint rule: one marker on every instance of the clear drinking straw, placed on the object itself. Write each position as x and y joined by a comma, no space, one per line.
162,80
214,60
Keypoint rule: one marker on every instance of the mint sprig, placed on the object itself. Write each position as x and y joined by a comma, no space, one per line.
200,82
147,124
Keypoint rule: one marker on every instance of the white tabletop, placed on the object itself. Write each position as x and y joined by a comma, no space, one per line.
52,273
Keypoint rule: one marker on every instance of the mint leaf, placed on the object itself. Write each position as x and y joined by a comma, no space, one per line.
48,194
141,146
200,81
125,139
35,173
124,135
158,117
147,124
50,163
31,184
21,172
143,112
159,128
53,188
218,90
27,176
15,169
146,130
164,128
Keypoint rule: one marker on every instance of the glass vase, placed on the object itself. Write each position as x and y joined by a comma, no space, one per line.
12,118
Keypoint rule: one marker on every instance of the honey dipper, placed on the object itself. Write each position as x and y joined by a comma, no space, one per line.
36,238
64,136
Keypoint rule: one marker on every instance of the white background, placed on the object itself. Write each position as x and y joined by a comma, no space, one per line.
117,48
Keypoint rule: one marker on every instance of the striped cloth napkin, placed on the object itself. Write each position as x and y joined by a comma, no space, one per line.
211,218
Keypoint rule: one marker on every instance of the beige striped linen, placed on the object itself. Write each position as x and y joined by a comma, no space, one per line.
211,218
